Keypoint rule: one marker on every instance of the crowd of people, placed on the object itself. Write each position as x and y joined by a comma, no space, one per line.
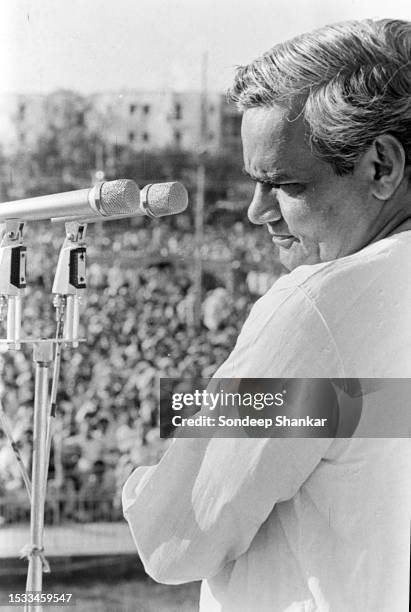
139,324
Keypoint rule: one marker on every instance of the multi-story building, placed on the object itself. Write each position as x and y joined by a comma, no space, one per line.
142,120
21,120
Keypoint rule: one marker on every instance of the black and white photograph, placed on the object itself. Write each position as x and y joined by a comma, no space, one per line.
205,305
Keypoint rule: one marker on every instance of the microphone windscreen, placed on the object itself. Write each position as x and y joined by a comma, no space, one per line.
119,197
161,199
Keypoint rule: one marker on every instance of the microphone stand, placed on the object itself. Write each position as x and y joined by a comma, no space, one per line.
69,283
12,278
43,354
68,287
70,280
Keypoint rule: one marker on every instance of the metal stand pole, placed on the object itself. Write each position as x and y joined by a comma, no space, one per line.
200,198
42,356
69,284
199,241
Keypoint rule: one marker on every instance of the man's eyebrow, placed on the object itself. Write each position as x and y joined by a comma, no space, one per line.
269,177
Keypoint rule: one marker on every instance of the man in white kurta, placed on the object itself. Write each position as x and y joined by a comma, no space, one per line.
308,525
277,524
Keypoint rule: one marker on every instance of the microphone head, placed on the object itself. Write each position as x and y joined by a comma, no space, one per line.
119,197
160,199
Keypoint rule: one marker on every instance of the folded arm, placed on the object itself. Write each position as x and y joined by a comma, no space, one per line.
202,505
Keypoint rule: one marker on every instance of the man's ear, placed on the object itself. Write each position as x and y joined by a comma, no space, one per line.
385,165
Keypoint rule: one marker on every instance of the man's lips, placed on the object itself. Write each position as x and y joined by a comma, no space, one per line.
282,240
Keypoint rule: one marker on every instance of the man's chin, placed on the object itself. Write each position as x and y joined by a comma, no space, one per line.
295,256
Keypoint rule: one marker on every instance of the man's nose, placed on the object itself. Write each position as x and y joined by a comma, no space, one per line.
264,206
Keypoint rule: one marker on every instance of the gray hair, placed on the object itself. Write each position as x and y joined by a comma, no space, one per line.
350,81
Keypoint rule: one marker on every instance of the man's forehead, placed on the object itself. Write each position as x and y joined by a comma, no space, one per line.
273,139
276,120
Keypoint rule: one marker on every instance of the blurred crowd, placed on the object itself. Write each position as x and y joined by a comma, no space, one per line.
138,319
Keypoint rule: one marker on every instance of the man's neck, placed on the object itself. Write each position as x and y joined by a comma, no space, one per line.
398,223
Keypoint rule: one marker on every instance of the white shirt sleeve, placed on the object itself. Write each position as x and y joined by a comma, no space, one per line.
202,505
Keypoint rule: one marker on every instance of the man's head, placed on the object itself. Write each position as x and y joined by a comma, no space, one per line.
327,136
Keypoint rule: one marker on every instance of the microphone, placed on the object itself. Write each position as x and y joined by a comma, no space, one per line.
105,199
155,200
161,199
108,199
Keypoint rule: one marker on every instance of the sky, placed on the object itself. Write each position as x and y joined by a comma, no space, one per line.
107,45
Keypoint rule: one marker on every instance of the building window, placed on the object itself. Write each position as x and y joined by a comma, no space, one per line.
177,137
177,111
80,119
132,108
146,109
146,137
22,111
131,137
